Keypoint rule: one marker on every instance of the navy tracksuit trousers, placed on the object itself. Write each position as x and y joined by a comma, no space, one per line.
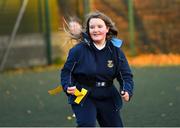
102,110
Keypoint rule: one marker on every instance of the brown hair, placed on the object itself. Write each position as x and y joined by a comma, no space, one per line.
112,29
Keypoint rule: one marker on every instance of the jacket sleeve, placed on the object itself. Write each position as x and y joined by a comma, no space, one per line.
125,76
66,71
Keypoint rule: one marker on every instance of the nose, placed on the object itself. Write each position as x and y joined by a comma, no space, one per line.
95,29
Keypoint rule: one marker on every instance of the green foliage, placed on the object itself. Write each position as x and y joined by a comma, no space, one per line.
33,18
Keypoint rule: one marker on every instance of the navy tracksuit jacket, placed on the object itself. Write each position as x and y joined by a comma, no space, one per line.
86,63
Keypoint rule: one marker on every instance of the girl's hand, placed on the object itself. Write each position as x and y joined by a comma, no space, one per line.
71,90
125,96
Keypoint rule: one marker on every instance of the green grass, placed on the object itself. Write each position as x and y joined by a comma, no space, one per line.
24,100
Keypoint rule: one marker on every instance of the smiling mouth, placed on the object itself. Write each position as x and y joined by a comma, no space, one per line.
96,34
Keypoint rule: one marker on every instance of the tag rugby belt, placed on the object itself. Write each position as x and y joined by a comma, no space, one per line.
95,83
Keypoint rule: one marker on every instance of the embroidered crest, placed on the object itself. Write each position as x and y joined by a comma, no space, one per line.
110,63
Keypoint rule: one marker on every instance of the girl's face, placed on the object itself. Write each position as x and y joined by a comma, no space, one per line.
98,30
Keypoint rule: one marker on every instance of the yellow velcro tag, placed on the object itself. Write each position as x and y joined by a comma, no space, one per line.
55,91
77,93
80,95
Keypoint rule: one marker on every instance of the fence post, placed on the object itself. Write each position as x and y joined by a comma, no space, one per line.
86,7
47,32
131,26
40,17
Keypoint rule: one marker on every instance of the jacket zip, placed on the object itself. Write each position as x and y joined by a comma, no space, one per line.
70,77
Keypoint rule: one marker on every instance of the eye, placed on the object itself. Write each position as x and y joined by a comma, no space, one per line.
91,27
100,26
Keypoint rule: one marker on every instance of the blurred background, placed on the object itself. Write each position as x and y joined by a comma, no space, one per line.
33,48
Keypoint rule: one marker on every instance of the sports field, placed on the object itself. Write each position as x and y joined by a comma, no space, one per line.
24,100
